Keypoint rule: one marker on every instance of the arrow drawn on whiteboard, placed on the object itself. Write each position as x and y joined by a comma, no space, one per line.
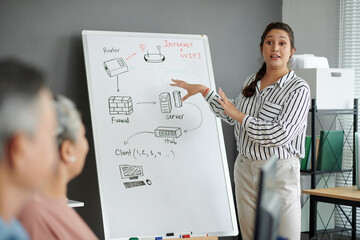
117,83
130,56
127,141
146,103
187,130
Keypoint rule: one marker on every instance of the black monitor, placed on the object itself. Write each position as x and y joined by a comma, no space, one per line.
268,204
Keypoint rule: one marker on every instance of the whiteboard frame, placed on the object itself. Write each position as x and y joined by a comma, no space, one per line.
87,33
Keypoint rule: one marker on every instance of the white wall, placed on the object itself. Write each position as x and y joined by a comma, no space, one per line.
315,25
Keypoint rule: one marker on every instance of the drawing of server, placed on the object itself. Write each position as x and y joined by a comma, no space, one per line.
165,102
115,67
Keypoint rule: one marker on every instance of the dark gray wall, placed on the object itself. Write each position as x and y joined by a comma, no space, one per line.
48,33
318,32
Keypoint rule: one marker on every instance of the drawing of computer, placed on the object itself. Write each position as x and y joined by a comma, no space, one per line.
130,171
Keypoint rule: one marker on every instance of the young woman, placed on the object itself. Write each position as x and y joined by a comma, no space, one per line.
47,215
270,118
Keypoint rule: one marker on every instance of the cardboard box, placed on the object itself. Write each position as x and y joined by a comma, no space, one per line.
333,88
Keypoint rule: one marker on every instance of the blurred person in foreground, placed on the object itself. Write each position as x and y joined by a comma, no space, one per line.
47,215
27,141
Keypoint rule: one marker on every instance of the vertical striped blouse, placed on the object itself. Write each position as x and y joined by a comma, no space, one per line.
275,121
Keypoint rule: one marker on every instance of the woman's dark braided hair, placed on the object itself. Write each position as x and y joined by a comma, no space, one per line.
249,90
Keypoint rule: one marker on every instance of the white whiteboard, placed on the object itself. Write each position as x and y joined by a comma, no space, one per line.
161,163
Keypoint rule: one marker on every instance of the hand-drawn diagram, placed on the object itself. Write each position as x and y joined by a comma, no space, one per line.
134,184
199,125
142,154
147,132
114,67
120,105
142,47
133,172
154,57
160,132
133,175
177,99
167,132
130,171
123,105
165,102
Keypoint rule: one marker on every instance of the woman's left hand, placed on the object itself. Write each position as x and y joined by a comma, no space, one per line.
229,108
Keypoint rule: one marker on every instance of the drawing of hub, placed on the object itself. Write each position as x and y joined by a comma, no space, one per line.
167,132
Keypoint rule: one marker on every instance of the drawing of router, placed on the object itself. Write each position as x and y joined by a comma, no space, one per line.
120,105
154,57
167,132
115,67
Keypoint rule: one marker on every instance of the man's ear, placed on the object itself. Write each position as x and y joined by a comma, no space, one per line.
16,151
66,151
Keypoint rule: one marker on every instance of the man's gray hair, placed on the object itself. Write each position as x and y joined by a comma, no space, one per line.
20,85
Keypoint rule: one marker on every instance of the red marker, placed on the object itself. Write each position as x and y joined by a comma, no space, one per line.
186,236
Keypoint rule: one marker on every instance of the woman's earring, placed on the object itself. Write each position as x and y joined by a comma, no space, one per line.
72,158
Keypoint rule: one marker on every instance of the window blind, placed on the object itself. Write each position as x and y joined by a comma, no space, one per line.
348,57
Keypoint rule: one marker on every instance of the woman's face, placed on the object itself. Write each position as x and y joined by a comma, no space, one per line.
276,49
81,148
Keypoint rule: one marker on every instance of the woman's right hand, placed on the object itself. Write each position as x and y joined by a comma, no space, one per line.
191,89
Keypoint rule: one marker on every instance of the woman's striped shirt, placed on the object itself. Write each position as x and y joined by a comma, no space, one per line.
275,121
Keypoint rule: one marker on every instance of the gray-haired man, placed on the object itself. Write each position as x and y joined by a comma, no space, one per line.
27,141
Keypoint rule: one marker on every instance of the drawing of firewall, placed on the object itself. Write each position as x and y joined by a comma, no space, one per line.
120,105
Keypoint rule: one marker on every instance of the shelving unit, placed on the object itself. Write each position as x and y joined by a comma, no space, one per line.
314,173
